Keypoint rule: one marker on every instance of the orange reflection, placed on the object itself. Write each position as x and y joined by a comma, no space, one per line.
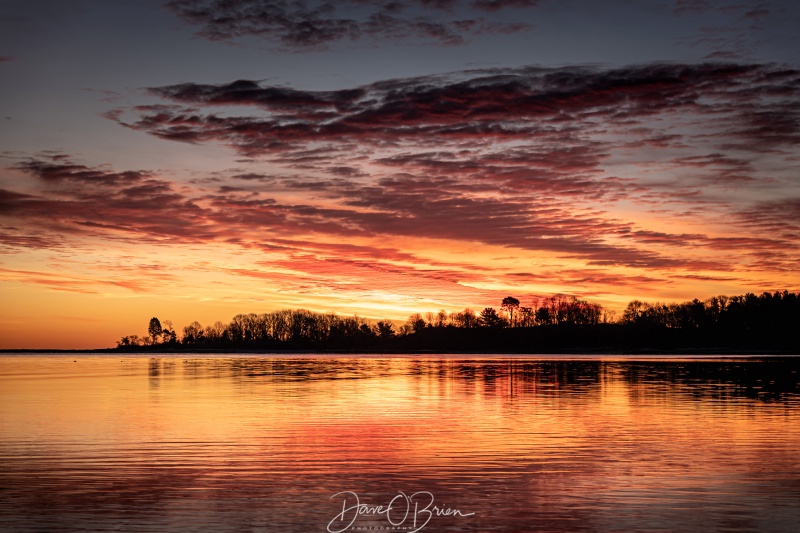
490,435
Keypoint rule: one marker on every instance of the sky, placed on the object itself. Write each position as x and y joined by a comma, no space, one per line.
197,159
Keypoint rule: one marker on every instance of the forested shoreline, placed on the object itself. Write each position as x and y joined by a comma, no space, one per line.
739,324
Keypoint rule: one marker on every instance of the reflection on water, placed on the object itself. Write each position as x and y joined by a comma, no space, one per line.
191,443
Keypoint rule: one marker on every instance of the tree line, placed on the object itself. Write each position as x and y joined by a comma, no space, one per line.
559,323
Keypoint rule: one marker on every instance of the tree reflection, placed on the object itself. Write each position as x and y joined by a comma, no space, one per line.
762,379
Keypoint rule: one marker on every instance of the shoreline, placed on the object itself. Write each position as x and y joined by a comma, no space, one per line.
722,352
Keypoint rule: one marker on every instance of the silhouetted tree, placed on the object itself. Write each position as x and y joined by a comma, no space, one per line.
130,340
490,319
415,322
633,312
510,304
168,335
154,329
365,331
527,316
464,319
748,321
543,316
217,333
193,333
384,329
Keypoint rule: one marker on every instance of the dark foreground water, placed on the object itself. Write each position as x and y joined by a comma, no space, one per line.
305,444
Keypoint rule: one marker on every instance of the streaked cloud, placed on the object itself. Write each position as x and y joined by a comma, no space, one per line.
446,191
317,24
744,104
529,158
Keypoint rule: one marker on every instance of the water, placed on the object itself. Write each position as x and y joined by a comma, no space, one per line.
265,443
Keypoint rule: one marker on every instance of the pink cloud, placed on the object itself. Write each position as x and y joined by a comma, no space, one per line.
653,168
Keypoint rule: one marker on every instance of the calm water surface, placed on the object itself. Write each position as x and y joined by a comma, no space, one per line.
265,443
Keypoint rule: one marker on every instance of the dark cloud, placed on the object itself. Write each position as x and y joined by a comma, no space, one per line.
716,168
699,7
774,217
757,13
536,161
586,279
315,24
727,43
550,105
15,240
8,198
519,158
132,205
53,170
152,210
496,5
771,128
726,30
320,104
507,131
726,55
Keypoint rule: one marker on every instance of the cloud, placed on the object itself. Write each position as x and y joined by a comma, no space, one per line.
316,24
702,7
531,158
757,13
137,281
726,30
496,5
56,171
559,106
549,130
80,200
151,210
630,175
15,239
777,217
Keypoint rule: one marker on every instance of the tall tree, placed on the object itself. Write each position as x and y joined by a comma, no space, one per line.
154,329
168,335
509,304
